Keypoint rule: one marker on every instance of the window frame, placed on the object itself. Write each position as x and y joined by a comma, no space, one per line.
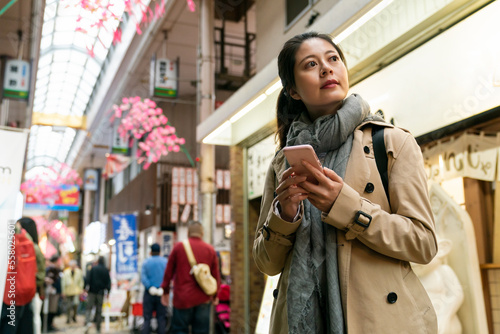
300,15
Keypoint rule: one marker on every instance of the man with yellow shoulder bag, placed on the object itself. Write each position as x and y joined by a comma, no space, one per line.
194,268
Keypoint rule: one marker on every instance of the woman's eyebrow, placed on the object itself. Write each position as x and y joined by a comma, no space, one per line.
314,56
306,57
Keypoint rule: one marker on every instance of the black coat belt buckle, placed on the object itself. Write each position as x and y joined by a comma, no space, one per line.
359,222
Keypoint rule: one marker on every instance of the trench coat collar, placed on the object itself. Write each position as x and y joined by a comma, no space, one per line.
360,165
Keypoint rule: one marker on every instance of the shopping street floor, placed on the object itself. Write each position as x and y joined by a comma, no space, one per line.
79,327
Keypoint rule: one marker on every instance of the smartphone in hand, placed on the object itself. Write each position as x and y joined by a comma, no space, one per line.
295,155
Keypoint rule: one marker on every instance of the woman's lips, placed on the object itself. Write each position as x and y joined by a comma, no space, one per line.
330,84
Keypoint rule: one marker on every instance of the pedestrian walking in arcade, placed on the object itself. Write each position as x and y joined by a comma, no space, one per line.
152,277
52,293
192,307
98,284
343,239
72,287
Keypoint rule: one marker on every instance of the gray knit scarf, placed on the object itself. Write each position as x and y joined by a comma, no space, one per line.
313,298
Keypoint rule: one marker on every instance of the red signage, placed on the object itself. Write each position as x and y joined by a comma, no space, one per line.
68,198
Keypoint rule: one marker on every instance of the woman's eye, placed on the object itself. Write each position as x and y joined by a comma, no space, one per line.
334,58
311,64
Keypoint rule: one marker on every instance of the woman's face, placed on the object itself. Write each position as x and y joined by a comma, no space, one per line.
321,80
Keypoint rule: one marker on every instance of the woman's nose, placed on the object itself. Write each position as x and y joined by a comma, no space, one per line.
326,70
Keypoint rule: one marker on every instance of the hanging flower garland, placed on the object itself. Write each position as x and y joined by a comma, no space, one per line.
143,120
43,187
106,14
53,231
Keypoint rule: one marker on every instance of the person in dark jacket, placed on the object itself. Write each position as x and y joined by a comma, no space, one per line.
52,292
98,284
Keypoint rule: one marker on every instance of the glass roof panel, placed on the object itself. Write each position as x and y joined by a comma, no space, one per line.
58,68
48,28
65,105
75,70
85,88
55,88
43,72
100,51
62,55
38,101
66,75
88,77
42,87
79,42
79,104
69,91
93,67
51,104
50,11
63,38
44,61
76,111
56,77
77,57
106,38
46,42
66,23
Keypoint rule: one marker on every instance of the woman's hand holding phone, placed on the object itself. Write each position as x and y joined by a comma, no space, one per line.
306,179
325,193
290,194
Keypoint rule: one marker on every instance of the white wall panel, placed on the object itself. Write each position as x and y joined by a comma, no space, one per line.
448,79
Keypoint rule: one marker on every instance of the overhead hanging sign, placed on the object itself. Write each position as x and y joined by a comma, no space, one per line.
120,144
16,80
68,198
11,167
165,78
125,234
91,179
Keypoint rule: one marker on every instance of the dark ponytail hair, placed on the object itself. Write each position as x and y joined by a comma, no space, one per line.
30,226
287,108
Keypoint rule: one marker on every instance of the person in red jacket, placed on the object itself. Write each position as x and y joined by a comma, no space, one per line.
191,305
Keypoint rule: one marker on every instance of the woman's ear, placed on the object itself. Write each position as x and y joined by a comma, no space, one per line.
294,95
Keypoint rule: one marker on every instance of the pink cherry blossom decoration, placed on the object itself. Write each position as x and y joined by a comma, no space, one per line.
144,121
107,14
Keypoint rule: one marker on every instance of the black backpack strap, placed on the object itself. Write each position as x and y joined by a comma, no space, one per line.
381,156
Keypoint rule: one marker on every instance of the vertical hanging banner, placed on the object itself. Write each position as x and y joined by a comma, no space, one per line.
11,168
125,234
165,78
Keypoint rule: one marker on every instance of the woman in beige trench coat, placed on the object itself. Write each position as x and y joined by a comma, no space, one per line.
343,245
